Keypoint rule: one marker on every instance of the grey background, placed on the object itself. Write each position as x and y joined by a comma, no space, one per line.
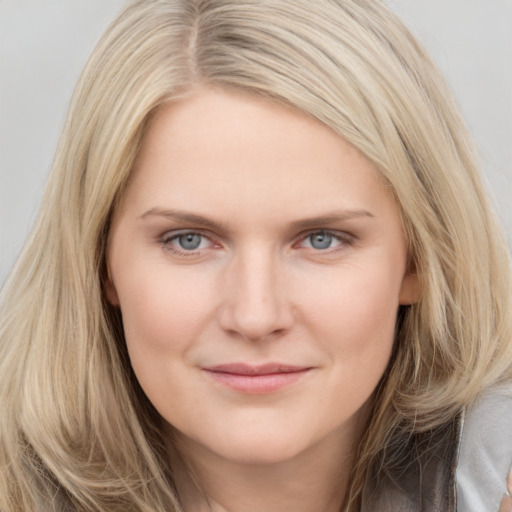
45,43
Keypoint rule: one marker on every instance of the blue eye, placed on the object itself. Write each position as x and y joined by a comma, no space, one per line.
321,240
189,241
185,242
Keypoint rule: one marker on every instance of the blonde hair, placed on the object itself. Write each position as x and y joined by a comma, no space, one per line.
76,432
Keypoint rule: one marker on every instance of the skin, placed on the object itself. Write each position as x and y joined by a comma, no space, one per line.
506,502
260,184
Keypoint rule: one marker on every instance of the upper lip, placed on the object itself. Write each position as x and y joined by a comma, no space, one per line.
250,369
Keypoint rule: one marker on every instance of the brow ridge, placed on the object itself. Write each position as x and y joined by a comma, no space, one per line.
322,220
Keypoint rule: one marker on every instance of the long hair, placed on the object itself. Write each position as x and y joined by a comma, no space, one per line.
76,432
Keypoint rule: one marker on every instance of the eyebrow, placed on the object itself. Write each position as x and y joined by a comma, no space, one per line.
302,224
330,219
183,216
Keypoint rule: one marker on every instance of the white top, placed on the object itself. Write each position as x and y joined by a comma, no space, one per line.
485,452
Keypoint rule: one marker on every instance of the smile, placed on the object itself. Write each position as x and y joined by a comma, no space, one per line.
261,379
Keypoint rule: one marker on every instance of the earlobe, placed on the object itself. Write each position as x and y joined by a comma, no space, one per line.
410,292
111,292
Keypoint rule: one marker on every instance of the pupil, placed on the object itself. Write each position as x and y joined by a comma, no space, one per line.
321,240
190,241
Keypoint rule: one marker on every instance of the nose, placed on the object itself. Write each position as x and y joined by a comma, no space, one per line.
255,304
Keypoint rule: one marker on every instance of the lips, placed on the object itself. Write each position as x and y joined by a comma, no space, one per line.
256,379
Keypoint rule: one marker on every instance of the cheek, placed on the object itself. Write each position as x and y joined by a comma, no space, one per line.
163,313
353,316
356,326
163,317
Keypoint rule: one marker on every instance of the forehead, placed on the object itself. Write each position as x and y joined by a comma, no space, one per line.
232,152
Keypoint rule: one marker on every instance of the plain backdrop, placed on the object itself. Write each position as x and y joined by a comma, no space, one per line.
45,43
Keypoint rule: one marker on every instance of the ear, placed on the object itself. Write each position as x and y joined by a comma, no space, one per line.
410,292
110,291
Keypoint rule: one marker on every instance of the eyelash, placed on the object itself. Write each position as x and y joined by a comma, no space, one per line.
344,240
167,239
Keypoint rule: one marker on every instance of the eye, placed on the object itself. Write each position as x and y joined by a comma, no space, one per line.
325,241
321,240
185,242
189,241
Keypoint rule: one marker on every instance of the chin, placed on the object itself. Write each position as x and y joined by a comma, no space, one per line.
260,446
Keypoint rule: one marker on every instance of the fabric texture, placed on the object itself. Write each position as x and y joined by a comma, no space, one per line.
461,467
485,452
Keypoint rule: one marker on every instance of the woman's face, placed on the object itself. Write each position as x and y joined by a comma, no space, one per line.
259,262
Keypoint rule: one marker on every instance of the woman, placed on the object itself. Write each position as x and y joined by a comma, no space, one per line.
265,276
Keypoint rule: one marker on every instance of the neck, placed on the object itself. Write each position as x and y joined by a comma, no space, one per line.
316,480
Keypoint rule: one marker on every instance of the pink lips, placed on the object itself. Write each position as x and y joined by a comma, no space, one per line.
260,379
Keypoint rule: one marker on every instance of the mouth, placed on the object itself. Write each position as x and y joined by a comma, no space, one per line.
256,379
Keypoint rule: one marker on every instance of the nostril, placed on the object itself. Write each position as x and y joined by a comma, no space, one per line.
256,322
266,337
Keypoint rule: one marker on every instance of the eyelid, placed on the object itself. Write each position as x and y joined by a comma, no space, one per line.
169,236
174,233
345,238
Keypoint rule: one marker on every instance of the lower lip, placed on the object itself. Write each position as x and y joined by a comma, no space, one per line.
257,384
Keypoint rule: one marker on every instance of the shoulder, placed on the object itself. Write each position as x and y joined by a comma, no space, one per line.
485,451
